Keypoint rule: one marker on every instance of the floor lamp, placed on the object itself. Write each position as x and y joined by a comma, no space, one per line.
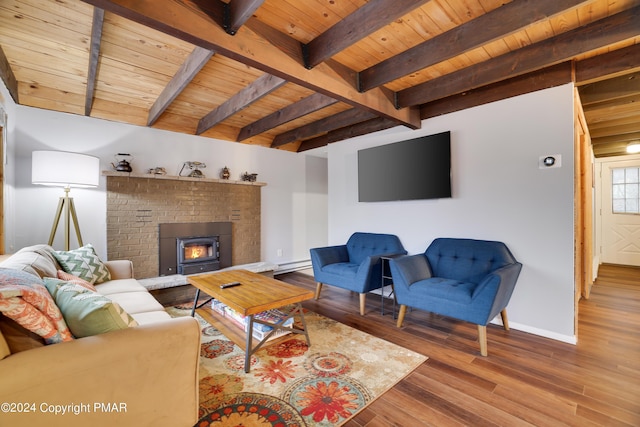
64,169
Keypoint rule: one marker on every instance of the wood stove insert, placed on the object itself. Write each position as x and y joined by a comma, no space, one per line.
189,248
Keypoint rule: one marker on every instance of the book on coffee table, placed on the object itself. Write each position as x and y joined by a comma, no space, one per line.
260,330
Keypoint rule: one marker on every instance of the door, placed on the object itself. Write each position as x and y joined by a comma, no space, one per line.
621,212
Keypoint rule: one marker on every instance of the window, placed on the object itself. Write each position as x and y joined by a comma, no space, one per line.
626,190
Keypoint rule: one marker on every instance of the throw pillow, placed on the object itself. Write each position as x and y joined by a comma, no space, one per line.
24,299
87,313
68,277
84,263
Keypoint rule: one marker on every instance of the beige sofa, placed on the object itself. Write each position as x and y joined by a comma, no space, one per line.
142,375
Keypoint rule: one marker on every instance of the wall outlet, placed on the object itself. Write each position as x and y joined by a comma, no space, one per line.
279,252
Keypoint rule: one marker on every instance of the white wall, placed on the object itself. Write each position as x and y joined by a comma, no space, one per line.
499,193
292,200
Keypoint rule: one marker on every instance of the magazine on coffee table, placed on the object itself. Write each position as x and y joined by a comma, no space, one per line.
259,330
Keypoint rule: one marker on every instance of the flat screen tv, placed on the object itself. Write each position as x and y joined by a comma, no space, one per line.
415,169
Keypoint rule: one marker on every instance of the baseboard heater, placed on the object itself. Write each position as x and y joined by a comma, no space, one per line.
291,266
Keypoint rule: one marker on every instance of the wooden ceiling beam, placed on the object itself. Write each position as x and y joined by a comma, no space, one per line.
310,144
365,20
616,107
604,91
216,10
554,76
239,12
231,15
606,140
8,77
608,65
363,128
286,44
615,148
616,127
629,119
549,77
337,121
94,55
185,20
262,86
491,26
564,47
197,59
305,106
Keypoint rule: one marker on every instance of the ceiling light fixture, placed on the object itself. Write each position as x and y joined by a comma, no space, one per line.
633,147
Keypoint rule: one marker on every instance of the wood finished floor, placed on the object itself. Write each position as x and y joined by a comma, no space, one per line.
525,380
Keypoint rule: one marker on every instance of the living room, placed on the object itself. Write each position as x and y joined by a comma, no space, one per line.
289,93
310,200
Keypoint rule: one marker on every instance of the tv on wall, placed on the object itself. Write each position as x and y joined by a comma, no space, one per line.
415,169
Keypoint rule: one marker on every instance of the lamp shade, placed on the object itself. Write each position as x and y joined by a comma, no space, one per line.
64,169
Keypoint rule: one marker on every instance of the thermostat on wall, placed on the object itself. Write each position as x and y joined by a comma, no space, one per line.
550,161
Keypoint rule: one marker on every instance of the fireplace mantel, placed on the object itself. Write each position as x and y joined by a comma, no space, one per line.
180,178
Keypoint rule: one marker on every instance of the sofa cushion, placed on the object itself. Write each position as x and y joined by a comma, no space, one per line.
37,260
84,263
119,286
150,317
136,302
87,313
24,299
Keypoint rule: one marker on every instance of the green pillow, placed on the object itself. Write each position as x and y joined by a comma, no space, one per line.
84,263
85,312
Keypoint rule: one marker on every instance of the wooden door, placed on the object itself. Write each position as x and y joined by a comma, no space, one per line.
620,231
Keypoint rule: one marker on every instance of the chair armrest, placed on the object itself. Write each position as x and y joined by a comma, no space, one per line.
120,269
409,269
149,371
500,283
328,255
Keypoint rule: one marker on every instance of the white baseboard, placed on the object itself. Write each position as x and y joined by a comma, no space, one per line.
569,339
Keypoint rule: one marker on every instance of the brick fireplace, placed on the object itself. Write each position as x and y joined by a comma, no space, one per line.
138,203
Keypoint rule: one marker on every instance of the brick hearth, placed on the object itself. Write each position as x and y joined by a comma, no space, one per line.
136,205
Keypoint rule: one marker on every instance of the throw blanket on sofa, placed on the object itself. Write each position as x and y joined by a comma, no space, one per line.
24,298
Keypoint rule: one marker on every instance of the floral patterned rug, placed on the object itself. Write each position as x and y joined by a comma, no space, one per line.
292,384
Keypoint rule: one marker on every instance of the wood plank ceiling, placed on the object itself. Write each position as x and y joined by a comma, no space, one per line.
300,74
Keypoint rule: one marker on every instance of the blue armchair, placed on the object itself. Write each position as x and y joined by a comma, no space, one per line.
470,280
355,266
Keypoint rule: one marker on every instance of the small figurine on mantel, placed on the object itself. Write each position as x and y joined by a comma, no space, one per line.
225,174
157,171
251,177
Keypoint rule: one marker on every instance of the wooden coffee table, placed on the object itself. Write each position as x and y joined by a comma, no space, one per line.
256,293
